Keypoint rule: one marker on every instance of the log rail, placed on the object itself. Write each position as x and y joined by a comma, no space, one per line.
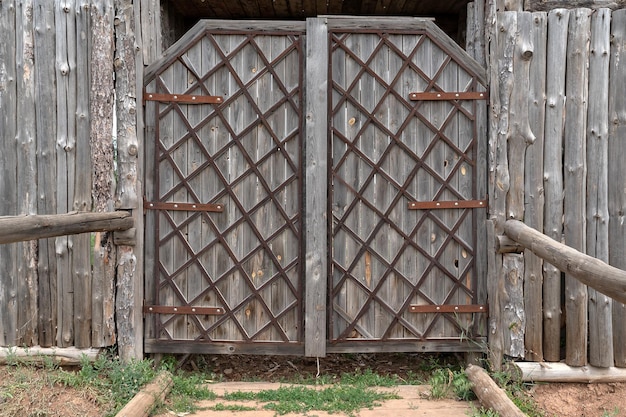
31,227
586,269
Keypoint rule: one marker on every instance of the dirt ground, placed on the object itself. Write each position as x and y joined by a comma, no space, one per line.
44,398
581,400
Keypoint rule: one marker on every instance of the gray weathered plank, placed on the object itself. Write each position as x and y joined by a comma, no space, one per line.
150,30
558,21
316,186
500,183
101,144
512,305
8,181
519,135
81,268
537,5
66,111
533,190
617,172
46,116
576,86
25,162
129,279
597,211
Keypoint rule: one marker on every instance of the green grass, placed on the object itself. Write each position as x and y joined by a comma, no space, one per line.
298,399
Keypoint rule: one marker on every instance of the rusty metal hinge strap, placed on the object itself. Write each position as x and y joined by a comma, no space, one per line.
154,309
430,96
449,308
460,204
183,98
151,205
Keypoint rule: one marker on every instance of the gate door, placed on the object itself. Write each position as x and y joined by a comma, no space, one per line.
223,210
406,188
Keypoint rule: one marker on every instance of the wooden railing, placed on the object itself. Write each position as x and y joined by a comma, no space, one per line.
587,269
31,227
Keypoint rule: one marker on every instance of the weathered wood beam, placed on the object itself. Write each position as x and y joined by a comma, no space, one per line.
37,354
155,392
545,5
24,228
587,269
560,372
490,394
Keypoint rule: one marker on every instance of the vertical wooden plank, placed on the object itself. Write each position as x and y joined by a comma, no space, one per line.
519,135
315,221
25,163
475,40
66,110
150,30
533,189
511,305
101,144
501,78
597,211
8,180
494,271
129,278
81,268
558,21
617,172
46,117
574,179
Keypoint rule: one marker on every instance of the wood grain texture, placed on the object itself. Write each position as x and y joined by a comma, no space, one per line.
617,172
597,211
533,188
25,162
558,22
8,181
574,168
129,277
315,221
580,266
46,120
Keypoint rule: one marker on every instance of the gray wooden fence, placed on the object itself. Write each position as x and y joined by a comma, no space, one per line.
557,163
57,106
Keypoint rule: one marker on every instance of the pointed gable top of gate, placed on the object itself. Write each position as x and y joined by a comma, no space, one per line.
198,31
423,25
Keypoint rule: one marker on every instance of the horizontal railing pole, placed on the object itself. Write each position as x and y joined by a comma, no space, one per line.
32,227
587,269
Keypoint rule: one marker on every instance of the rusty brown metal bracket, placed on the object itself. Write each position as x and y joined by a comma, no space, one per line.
430,205
449,308
183,310
471,95
150,205
183,98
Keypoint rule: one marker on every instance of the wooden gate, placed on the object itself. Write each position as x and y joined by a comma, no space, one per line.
224,208
406,189
378,250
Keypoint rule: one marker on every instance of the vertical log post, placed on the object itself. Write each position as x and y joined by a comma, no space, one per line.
8,179
533,189
26,172
129,265
46,122
617,172
104,252
597,215
558,21
574,168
